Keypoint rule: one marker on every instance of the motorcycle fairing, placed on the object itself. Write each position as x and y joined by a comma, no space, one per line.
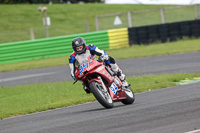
95,79
96,67
113,88
116,92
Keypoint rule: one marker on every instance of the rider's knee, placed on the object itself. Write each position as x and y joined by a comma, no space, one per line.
112,60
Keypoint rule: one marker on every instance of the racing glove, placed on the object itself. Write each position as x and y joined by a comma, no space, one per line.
104,57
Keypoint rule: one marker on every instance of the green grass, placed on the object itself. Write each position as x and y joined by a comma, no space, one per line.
149,18
181,46
39,97
16,20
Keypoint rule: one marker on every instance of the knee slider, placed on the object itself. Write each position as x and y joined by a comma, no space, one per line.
112,60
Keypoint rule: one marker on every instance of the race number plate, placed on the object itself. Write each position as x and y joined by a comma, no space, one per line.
113,88
83,67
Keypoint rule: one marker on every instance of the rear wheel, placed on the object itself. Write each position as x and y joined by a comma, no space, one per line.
102,96
130,97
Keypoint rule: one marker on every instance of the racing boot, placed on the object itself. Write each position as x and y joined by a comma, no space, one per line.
86,89
119,73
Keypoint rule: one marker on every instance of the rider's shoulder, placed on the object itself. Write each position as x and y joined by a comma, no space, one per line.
92,47
72,57
73,54
87,47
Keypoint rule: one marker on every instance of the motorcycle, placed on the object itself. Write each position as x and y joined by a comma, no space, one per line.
103,83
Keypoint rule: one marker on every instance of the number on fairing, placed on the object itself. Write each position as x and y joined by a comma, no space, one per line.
113,88
85,65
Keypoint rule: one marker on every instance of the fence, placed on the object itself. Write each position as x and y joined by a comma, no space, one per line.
164,32
110,39
60,46
118,38
38,33
148,17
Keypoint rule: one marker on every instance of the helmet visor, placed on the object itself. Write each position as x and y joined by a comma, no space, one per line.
79,48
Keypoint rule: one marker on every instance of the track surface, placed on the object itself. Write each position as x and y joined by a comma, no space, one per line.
177,63
169,110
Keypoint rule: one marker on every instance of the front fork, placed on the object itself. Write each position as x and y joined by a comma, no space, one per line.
103,85
100,81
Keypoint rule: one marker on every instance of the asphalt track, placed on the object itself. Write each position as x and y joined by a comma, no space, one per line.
176,63
168,110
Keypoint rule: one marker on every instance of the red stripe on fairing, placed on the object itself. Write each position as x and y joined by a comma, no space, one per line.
87,47
74,54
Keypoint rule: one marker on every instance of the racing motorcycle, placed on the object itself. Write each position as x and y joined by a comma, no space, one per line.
103,83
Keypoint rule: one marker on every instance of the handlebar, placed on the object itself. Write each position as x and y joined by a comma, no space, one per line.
76,80
99,59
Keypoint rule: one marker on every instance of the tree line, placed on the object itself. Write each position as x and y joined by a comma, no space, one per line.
45,1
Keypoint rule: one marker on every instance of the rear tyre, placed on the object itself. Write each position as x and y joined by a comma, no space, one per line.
102,97
130,97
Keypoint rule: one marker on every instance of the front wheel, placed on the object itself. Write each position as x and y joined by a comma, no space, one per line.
130,97
99,93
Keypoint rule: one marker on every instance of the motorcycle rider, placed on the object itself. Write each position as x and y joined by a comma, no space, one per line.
82,51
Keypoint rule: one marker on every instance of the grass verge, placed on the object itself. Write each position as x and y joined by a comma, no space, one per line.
39,97
181,46
17,19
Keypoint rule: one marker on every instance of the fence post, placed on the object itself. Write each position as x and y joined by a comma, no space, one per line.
32,34
45,23
97,23
162,15
129,19
86,26
197,11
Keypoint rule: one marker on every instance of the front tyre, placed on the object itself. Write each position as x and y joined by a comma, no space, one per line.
99,93
130,97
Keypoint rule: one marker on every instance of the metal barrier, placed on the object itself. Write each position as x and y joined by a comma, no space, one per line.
111,39
164,32
45,48
118,38
60,46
